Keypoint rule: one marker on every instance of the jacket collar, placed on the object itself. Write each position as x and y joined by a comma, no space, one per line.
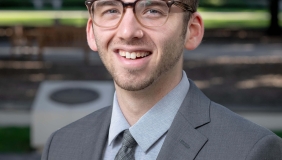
98,135
183,139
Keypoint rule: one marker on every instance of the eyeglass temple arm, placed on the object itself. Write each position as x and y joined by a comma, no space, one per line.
88,3
184,6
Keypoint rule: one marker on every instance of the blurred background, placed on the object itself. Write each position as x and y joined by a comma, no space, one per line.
49,77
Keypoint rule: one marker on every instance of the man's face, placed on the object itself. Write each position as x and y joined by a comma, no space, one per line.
157,50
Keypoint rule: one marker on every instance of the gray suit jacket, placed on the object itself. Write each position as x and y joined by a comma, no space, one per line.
201,130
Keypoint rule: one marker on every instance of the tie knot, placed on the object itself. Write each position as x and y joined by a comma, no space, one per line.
127,140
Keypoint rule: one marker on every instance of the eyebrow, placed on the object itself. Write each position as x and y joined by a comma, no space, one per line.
108,3
151,3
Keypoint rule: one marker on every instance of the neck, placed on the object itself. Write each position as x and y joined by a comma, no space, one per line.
134,104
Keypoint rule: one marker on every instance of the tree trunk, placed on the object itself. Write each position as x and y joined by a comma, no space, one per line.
274,28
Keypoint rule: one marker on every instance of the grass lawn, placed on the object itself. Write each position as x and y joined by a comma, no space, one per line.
17,139
42,18
36,22
231,18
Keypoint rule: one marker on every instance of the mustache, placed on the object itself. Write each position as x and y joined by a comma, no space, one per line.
133,42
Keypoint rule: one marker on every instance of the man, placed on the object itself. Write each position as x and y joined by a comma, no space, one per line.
141,44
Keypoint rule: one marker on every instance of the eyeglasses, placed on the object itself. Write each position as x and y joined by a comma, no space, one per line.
149,13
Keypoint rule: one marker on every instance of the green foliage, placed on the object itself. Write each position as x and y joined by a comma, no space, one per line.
27,4
14,139
278,133
19,4
74,3
231,9
232,4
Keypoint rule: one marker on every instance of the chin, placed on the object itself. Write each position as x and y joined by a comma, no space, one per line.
129,86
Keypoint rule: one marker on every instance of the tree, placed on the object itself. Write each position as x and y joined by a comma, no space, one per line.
274,28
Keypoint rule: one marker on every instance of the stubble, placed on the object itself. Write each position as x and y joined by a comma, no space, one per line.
129,78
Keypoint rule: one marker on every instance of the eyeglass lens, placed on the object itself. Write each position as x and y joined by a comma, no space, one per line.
108,13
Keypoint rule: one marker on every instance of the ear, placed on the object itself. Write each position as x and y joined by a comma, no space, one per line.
90,35
195,32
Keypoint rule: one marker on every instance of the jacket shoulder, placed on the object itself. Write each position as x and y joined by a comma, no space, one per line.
230,136
91,120
231,121
81,139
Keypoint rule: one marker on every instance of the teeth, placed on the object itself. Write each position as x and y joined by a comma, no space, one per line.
122,53
128,55
133,55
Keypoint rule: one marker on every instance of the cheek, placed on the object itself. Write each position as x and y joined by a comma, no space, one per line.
103,38
168,35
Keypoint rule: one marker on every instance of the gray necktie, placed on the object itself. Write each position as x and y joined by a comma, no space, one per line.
126,152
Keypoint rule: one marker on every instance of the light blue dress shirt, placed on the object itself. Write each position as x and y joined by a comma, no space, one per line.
150,130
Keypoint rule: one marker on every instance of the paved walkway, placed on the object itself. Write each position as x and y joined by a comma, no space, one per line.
30,156
204,51
235,50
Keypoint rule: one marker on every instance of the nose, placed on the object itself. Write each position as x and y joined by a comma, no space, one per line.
129,28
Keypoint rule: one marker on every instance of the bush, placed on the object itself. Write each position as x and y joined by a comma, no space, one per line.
233,3
28,4
14,139
9,4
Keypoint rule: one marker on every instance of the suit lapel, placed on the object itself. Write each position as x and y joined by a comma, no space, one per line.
183,140
97,133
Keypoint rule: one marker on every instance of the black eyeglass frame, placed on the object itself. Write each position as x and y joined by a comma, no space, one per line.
183,6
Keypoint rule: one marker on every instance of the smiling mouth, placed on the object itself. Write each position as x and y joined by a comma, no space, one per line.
134,55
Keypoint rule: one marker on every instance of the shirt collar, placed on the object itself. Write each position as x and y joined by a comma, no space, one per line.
118,122
155,123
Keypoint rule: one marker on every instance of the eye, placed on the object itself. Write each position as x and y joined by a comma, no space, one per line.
111,11
108,8
153,13
154,9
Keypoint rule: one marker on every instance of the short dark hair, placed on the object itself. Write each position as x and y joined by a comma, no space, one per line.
192,3
187,15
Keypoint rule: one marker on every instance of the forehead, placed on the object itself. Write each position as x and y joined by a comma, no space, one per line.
137,0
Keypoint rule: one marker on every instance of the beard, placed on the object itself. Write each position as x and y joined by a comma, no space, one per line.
130,79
